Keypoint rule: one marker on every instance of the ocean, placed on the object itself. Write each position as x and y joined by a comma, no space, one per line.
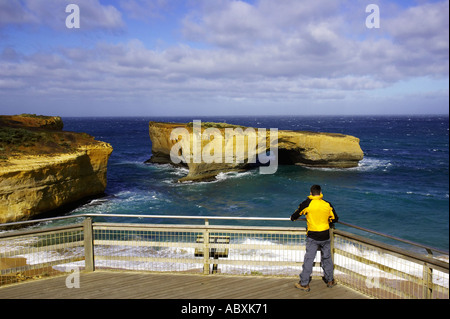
400,188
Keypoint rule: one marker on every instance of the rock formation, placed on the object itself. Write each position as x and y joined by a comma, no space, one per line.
43,168
178,143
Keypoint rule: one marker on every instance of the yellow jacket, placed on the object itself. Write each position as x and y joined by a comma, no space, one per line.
319,214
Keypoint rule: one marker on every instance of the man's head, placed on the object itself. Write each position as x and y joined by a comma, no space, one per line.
316,190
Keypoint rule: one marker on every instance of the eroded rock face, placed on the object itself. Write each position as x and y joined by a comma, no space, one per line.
43,168
287,147
319,149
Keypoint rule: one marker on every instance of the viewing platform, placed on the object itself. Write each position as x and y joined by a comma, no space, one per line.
139,285
102,256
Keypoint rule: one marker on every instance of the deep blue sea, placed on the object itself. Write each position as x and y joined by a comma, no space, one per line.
401,188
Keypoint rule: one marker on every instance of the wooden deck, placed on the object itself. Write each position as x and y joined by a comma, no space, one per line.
141,285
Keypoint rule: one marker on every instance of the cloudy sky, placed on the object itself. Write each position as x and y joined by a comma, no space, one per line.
223,57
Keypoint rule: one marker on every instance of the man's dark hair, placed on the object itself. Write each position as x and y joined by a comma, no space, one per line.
316,190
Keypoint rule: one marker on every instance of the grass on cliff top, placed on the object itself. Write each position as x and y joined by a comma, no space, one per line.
18,136
15,141
216,125
32,120
35,116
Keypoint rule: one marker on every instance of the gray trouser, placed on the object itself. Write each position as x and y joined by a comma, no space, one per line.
326,262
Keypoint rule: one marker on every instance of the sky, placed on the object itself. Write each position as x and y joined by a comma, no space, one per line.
223,57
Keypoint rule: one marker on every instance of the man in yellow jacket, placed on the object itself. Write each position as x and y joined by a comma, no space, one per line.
319,215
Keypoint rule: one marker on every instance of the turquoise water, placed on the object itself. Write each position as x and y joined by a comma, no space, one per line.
400,188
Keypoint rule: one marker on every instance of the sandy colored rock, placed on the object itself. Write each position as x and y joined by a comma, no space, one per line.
54,169
293,147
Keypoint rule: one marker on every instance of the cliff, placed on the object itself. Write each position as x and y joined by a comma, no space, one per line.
43,168
210,148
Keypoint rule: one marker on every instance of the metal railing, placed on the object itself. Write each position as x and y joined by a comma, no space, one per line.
370,266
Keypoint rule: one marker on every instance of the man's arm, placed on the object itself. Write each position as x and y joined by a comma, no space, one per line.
300,208
334,217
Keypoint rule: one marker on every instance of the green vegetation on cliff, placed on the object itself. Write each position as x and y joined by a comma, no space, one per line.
30,134
43,168
215,125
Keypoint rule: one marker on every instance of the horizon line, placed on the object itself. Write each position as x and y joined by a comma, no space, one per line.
245,115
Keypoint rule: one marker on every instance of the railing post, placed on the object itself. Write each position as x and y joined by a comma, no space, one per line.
88,245
332,243
206,248
427,281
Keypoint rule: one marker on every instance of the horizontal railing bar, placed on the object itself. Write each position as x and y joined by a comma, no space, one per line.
366,290
199,260
381,267
395,238
131,243
47,231
189,217
402,253
269,219
32,221
27,267
148,259
199,228
32,250
428,248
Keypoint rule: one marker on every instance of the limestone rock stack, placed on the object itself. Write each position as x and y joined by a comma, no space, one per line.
43,168
292,148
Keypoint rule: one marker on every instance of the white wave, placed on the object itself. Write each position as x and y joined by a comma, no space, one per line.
179,171
220,177
134,197
16,244
365,165
125,200
229,175
98,201
171,169
371,164
433,194
130,162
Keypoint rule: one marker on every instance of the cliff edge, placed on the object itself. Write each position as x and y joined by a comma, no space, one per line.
43,167
208,149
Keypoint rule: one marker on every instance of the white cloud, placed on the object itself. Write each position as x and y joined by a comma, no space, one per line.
419,36
145,10
297,38
52,13
12,12
269,52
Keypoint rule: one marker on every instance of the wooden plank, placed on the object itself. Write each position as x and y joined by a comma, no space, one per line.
142,285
